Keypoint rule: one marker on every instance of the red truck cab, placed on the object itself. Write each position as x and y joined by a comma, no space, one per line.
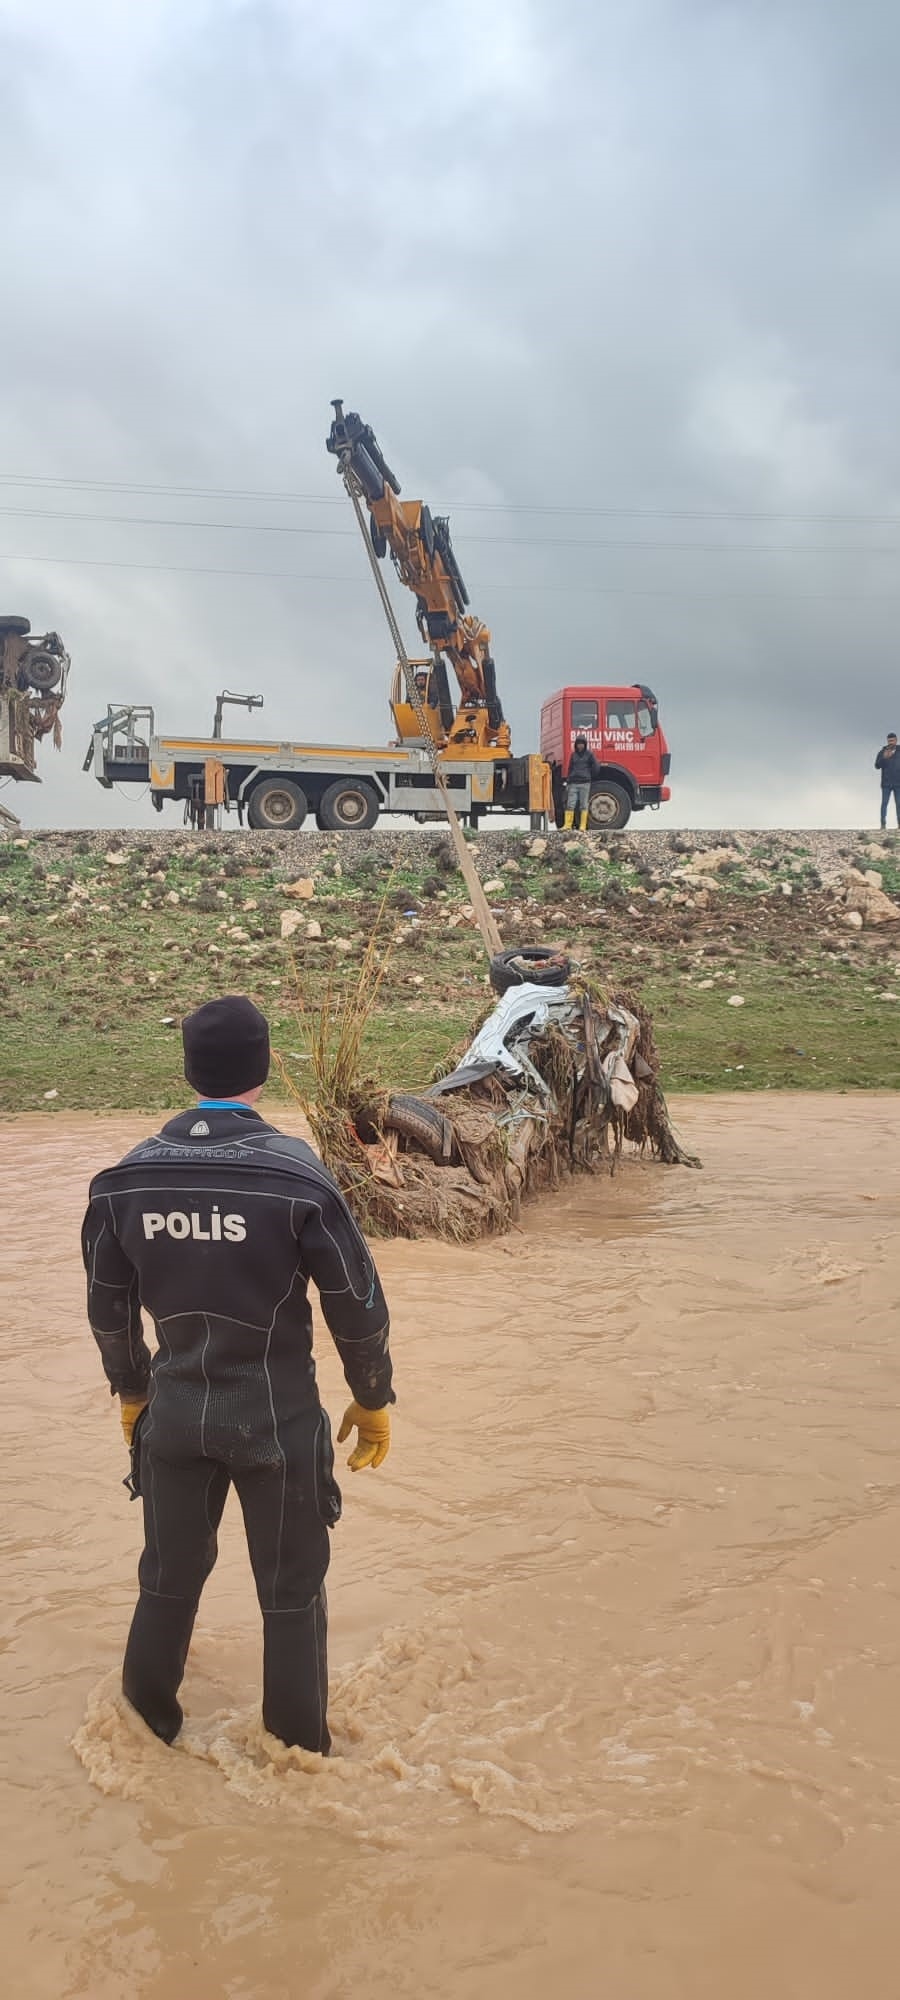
623,730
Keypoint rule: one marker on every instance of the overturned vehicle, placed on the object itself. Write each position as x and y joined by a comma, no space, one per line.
551,1084
34,674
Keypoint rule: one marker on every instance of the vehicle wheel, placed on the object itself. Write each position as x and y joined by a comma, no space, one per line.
610,805
349,806
20,626
277,805
43,671
422,1125
529,964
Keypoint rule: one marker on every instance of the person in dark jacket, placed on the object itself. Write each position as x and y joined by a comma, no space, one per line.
888,763
581,774
214,1228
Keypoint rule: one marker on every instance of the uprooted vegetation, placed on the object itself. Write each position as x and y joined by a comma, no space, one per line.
105,942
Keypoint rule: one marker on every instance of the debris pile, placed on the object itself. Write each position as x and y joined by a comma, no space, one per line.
550,1085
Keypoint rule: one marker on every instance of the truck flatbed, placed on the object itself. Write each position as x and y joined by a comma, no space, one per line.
278,783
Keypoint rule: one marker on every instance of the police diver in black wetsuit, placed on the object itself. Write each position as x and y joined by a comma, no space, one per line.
215,1228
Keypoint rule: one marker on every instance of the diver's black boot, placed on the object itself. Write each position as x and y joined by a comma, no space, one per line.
153,1668
295,1675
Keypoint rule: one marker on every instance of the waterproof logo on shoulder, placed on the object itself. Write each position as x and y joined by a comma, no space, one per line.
200,1130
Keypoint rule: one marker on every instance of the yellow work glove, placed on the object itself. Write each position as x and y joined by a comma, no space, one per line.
374,1441
130,1408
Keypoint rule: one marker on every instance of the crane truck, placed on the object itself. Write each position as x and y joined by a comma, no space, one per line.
33,676
465,737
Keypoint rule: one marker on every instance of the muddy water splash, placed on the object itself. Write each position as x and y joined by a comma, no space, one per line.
615,1635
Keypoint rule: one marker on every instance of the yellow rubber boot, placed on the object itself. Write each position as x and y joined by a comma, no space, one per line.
585,821
569,819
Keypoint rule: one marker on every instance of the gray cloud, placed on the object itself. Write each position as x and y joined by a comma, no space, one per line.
616,257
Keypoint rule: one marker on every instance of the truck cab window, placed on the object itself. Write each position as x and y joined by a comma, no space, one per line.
620,715
584,714
645,720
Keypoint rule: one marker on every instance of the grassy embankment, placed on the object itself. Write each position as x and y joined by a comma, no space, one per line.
98,962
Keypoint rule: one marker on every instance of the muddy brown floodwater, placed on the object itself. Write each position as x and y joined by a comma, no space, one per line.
615,1632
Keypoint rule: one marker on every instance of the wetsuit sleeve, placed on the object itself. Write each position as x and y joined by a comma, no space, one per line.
113,1304
341,1267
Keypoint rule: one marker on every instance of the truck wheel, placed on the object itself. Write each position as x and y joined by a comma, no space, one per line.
348,806
20,626
610,806
277,805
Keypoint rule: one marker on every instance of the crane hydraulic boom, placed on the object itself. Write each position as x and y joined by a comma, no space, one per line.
422,554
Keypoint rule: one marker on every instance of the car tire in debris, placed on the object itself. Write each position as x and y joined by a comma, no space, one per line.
43,671
529,964
348,806
610,806
277,805
422,1124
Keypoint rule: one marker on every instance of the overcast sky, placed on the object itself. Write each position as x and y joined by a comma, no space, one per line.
615,281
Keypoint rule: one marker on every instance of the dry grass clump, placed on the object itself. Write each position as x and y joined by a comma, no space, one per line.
335,1096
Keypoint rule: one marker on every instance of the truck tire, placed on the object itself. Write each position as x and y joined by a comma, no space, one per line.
19,626
43,671
610,806
534,964
277,805
348,806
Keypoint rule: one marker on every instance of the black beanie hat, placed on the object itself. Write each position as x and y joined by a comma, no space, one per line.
226,1047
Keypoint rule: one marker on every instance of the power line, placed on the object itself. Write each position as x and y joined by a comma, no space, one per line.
568,589
169,521
284,497
500,541
174,492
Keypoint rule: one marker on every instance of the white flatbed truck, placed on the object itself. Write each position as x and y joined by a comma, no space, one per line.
276,786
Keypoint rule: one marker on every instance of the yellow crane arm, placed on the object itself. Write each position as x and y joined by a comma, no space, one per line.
422,554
